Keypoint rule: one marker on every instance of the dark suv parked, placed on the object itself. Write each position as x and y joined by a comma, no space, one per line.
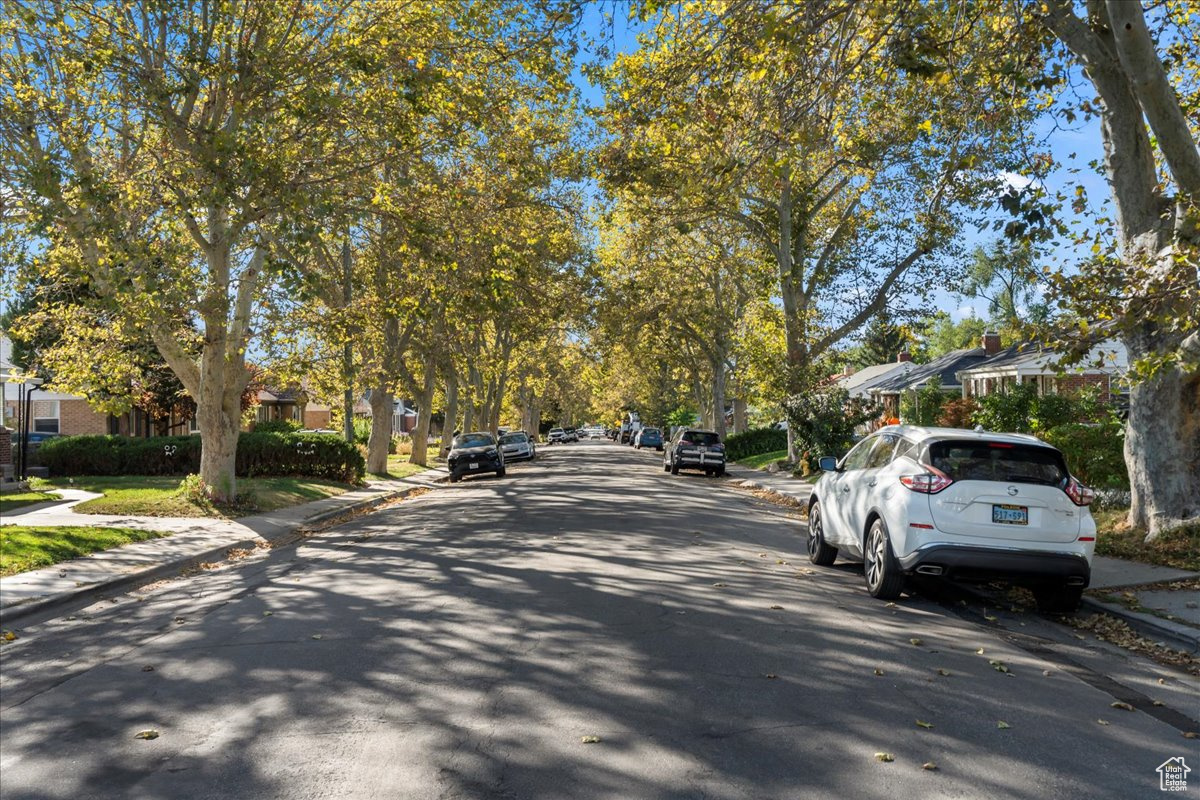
472,453
695,449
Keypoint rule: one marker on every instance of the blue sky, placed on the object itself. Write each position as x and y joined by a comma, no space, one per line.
1073,148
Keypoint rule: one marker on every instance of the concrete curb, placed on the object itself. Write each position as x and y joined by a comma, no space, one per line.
1173,634
85,595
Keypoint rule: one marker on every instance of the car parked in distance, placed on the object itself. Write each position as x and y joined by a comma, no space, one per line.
474,453
692,448
517,446
648,437
959,504
556,436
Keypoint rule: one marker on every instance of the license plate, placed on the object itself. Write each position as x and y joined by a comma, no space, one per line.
473,465
1010,515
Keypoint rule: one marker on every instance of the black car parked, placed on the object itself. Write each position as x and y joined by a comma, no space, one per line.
473,453
690,448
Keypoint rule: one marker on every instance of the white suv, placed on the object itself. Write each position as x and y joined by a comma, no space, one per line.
965,505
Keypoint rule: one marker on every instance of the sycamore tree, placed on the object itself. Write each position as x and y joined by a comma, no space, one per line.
154,147
1139,282
850,139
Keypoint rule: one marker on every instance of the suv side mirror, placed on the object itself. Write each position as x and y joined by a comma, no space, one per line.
827,464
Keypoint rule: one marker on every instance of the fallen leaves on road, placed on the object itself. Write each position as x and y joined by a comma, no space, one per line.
9,636
1191,735
770,676
268,613
979,652
147,734
720,585
885,757
945,673
929,765
777,608
890,605
916,642
1103,722
878,672
1047,672
1122,705
1118,632
1157,703
923,724
316,636
148,668
806,571
1002,725
990,618
589,739
999,666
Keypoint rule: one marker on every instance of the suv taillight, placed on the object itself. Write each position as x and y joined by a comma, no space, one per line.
1080,495
930,482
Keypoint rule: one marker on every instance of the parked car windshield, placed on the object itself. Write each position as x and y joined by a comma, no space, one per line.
706,438
514,438
473,440
998,461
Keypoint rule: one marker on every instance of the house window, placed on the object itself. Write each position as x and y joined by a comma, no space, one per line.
45,416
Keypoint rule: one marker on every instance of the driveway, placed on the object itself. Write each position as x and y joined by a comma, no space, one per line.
465,643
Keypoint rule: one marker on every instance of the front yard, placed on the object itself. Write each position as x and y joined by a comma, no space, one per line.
23,547
1179,548
9,502
161,495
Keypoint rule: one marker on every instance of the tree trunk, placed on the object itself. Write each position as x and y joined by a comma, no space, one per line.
220,424
420,436
381,431
448,427
739,415
718,399
1162,447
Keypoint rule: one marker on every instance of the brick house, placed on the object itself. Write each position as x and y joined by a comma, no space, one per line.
946,368
291,404
1104,367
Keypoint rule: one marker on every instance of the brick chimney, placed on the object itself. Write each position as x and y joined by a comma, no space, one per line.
903,356
848,370
991,343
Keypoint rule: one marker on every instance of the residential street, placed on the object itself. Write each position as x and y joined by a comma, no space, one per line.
464,643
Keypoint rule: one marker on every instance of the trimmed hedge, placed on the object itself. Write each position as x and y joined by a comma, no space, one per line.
314,455
753,442
1095,453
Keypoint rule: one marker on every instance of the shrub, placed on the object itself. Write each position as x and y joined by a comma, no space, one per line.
317,455
1095,453
823,422
958,413
362,430
277,426
754,442
923,406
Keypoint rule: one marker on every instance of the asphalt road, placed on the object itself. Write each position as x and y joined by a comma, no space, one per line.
464,643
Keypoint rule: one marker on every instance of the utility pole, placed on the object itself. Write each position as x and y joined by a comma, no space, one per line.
347,351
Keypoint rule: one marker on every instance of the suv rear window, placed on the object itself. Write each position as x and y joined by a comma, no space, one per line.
705,438
998,461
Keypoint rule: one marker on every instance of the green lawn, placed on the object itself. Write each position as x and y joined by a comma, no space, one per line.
399,467
17,499
160,496
1180,548
23,547
764,459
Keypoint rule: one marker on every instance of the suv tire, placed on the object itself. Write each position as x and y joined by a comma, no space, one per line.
820,552
674,467
884,578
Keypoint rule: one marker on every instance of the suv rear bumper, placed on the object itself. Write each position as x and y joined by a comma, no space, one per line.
986,563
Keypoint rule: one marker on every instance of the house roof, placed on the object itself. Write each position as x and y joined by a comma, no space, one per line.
1030,358
858,383
917,375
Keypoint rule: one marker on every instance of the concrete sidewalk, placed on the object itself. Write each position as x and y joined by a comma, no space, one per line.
192,541
1181,633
